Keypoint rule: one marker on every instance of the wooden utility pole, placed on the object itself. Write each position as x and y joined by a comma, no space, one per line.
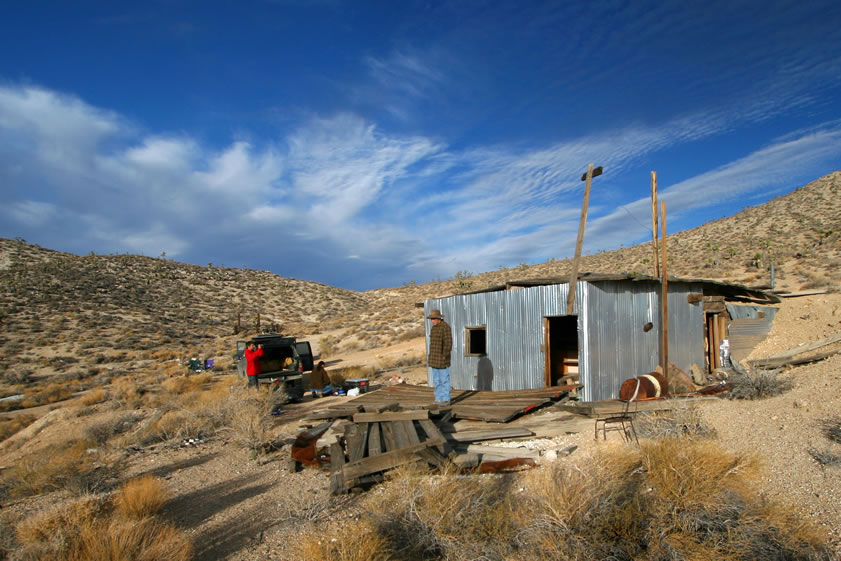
664,297
654,222
573,277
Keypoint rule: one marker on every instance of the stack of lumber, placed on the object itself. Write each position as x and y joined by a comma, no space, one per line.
498,407
382,439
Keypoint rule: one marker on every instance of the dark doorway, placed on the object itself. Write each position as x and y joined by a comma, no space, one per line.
560,336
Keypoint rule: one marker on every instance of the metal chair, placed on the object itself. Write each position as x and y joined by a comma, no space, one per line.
621,422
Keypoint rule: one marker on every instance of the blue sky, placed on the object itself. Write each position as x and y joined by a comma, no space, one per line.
369,144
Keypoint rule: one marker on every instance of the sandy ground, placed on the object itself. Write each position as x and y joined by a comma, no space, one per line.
238,507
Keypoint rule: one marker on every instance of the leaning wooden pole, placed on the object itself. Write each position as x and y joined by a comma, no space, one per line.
664,297
654,222
573,277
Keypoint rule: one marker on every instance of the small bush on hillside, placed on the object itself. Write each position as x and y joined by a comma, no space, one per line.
825,457
75,465
832,429
91,529
17,376
141,497
94,396
680,421
758,384
328,346
12,425
103,431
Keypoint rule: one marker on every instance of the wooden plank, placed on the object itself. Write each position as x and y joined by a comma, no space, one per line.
337,462
502,451
791,353
401,437
490,434
780,362
410,430
382,462
374,443
389,441
413,415
432,432
431,456
801,293
332,413
356,436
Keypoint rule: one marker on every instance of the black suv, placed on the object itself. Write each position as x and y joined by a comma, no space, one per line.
283,363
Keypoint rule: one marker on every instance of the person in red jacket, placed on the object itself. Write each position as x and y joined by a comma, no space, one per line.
253,352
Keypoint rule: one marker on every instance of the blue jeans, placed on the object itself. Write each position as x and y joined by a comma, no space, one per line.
441,379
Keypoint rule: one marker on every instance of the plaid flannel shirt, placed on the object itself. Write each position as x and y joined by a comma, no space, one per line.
440,345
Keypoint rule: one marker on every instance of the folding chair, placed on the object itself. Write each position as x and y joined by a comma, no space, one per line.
622,422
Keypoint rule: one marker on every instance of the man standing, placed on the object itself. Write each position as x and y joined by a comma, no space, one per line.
438,360
252,362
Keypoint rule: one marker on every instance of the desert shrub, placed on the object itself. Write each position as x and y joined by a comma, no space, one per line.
103,431
90,528
94,396
400,362
184,384
328,346
832,429
10,426
757,384
681,420
74,465
670,498
126,390
363,544
141,497
18,376
825,457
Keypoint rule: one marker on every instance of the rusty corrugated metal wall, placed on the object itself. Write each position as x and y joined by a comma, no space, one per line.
612,344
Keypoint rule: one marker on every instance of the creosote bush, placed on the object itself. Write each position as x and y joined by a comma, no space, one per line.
672,498
757,384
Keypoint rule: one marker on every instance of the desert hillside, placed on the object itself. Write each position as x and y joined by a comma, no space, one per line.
103,433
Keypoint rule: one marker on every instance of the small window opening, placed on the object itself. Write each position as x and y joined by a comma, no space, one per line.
476,341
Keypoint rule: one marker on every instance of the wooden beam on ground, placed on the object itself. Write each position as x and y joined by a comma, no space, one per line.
337,462
489,434
382,462
374,442
502,451
413,415
782,362
432,432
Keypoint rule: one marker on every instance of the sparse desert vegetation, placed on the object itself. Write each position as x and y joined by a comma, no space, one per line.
110,450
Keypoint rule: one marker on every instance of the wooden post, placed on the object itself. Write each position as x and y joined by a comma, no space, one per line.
654,222
664,297
573,277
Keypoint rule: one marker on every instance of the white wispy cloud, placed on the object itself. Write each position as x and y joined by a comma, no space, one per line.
338,198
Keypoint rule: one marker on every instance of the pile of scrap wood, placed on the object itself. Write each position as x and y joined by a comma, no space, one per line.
490,406
376,441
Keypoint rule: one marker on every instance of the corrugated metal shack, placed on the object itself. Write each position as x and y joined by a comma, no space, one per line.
518,335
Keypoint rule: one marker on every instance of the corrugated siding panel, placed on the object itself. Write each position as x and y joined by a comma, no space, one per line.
686,327
746,333
744,311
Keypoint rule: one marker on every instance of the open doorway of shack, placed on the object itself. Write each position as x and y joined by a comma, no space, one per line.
560,350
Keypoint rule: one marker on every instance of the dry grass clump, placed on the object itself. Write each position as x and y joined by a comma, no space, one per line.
328,346
184,384
681,420
672,498
363,544
141,497
94,396
76,465
390,363
103,431
825,457
758,384
10,426
91,528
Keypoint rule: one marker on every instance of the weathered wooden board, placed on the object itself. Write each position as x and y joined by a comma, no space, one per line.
337,462
382,462
413,415
490,434
374,442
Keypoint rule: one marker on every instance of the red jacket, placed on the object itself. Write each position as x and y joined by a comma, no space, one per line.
252,361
